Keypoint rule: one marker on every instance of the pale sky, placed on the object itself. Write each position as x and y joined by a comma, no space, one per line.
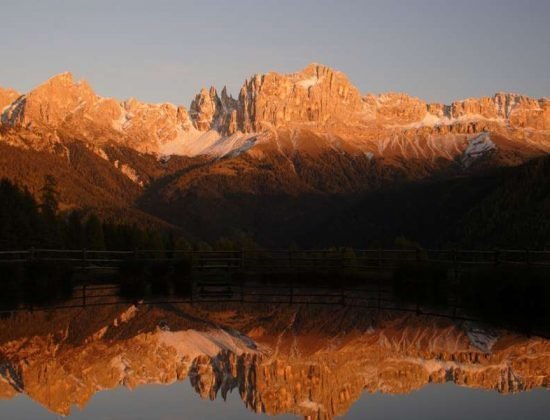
165,51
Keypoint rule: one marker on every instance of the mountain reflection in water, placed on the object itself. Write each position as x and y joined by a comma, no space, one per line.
304,360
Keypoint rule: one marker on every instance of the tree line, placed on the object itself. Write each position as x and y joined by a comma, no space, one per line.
26,222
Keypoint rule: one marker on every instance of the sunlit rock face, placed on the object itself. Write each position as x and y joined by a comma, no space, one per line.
7,96
310,361
67,110
314,95
209,111
317,108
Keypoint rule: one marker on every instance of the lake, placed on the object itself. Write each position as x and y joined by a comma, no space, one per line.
245,360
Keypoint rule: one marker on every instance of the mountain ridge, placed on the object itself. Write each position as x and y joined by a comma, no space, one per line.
297,145
316,97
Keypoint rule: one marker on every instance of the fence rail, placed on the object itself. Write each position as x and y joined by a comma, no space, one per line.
283,259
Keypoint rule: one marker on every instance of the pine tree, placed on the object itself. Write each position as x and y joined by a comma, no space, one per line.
50,202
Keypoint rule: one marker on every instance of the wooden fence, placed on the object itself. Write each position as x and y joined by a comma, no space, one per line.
359,259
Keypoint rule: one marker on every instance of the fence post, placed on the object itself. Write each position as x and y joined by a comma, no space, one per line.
31,253
496,256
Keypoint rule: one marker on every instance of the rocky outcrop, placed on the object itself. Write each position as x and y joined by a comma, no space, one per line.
500,106
395,108
317,94
50,104
210,112
206,109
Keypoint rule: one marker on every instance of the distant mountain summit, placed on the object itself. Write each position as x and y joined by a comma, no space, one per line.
310,134
316,102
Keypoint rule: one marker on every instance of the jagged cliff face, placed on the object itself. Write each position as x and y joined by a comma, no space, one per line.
318,108
209,111
316,95
281,360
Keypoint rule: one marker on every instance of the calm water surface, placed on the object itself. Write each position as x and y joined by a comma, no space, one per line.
179,401
239,361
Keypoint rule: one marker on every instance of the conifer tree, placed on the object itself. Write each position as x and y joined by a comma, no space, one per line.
50,201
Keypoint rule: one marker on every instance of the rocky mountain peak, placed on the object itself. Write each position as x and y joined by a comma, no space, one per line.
318,70
210,111
206,108
49,104
313,95
7,96
64,109
225,95
63,87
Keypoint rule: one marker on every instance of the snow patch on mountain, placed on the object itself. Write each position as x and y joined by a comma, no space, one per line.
233,145
11,112
482,338
431,120
190,142
478,147
193,142
307,83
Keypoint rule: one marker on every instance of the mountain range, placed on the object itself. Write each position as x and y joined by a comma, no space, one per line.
290,155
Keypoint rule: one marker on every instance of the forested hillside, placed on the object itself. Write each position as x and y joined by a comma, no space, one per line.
503,207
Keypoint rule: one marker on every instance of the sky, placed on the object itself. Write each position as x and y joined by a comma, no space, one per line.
166,51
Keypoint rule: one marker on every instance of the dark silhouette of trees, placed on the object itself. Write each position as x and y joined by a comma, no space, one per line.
24,224
19,216
75,234
95,239
50,201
